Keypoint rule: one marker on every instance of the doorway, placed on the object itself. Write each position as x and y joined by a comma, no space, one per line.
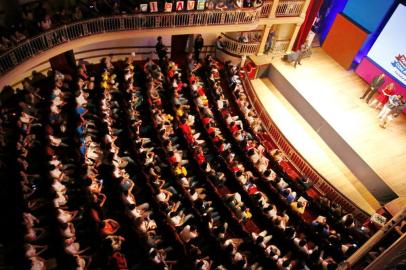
178,47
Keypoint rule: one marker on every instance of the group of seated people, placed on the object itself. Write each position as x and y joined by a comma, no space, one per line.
255,155
40,17
162,166
185,173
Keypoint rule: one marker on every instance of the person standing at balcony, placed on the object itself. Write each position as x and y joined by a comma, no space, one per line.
219,43
376,83
46,23
268,44
160,48
199,42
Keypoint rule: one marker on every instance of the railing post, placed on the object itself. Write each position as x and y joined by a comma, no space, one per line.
264,40
122,27
84,28
293,38
157,21
222,18
13,58
275,4
238,49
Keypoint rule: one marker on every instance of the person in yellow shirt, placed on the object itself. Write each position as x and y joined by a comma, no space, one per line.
298,207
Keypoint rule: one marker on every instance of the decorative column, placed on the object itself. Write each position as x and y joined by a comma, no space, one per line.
293,38
275,4
304,8
264,39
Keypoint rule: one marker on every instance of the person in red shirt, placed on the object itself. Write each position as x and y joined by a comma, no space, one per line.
109,227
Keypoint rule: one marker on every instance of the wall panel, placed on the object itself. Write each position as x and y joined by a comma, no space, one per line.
344,41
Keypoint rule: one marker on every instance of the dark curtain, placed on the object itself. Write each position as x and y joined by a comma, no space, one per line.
311,14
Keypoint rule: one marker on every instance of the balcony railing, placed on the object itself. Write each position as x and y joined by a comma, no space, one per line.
289,8
299,163
266,9
279,47
239,48
65,33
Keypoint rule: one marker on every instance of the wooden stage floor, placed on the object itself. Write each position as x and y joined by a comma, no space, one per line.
334,92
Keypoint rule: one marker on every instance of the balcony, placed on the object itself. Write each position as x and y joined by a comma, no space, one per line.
279,47
143,21
285,8
57,36
289,8
235,47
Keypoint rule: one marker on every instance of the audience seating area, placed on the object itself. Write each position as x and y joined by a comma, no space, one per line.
156,166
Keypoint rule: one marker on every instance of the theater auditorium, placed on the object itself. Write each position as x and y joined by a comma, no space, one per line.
203,134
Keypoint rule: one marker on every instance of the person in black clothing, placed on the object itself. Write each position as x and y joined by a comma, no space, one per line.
199,42
160,49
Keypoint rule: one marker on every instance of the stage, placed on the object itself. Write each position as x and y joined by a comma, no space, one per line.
318,109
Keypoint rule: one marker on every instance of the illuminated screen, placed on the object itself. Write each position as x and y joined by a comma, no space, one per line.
367,13
389,50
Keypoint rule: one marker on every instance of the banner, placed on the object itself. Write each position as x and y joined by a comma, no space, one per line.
144,7
179,5
201,4
168,7
190,5
153,6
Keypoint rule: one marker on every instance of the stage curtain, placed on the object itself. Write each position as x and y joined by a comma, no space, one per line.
311,14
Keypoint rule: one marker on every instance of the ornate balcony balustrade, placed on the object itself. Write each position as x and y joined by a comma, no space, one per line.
239,48
289,8
63,34
279,47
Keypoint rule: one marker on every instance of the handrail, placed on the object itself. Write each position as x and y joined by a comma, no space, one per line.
295,158
287,8
266,9
279,46
393,253
62,34
239,48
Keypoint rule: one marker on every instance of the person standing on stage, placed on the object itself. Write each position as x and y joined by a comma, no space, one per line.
394,112
377,82
383,97
390,106
300,53
199,42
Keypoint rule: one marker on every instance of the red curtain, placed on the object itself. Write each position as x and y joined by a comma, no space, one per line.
311,14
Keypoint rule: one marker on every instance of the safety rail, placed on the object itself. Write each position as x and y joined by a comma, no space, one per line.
239,48
57,36
279,46
289,8
297,161
266,9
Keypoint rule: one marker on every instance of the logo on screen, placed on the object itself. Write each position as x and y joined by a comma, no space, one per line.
400,65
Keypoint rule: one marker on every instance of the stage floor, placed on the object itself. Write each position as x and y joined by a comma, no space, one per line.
334,92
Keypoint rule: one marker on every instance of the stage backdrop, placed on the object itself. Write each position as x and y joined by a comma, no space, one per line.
344,40
389,50
367,13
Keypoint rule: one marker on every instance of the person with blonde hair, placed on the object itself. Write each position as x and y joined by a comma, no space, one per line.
383,97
